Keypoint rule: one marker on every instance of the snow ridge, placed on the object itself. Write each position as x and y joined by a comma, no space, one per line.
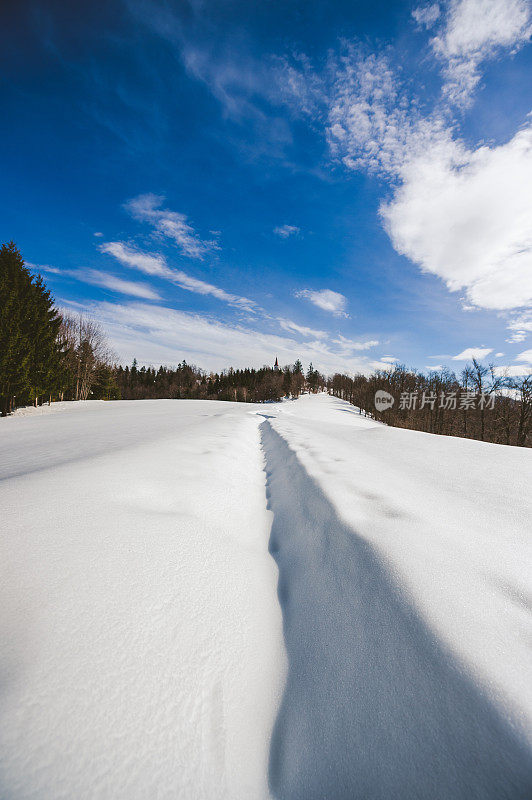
374,706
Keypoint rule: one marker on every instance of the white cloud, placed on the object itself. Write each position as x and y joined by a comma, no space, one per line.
526,355
465,216
444,214
284,231
156,265
107,281
326,299
513,371
43,268
370,119
521,325
434,367
130,257
473,352
104,279
154,334
98,234
288,325
390,359
171,224
499,355
473,31
517,337
349,345
426,16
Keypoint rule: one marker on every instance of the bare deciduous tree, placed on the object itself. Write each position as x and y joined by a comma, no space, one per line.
86,351
523,388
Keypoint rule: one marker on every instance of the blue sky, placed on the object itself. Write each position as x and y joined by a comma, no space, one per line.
227,182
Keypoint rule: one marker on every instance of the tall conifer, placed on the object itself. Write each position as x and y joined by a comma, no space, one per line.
30,357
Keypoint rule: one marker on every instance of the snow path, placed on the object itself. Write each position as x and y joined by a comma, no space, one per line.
374,707
142,653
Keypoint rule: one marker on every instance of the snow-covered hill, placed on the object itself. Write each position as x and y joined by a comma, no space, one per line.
147,653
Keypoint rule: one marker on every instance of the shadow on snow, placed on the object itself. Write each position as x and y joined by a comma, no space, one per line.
374,707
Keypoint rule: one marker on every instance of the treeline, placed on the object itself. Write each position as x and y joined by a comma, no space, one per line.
241,385
478,404
45,355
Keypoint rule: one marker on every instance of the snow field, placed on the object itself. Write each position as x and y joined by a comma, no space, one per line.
375,705
452,520
144,635
156,649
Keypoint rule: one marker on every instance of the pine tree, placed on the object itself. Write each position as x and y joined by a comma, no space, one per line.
45,369
105,386
298,379
30,354
15,282
287,381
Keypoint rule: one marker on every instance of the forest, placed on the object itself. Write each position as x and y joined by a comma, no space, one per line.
46,356
477,404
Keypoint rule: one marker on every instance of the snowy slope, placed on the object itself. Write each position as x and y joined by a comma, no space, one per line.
405,583
145,654
144,648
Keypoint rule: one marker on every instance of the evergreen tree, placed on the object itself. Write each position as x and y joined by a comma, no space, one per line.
45,350
30,355
287,381
15,281
105,386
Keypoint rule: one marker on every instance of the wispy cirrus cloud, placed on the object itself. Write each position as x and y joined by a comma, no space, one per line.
521,326
326,299
155,334
349,345
170,224
473,31
293,327
129,256
426,16
253,90
156,265
372,125
43,268
285,231
107,281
